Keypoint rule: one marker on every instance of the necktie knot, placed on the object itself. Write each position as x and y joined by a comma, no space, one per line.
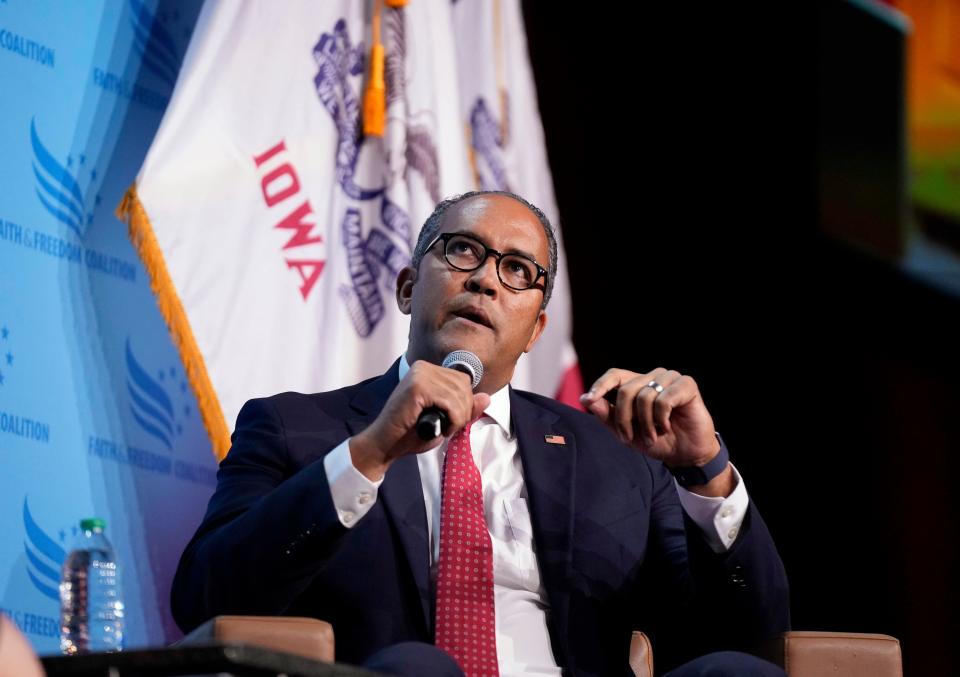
466,429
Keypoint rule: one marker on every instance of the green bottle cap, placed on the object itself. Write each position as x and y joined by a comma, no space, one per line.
92,523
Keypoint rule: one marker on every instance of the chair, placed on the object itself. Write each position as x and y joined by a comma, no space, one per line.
307,637
808,654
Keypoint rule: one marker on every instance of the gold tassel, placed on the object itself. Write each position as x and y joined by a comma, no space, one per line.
375,97
145,242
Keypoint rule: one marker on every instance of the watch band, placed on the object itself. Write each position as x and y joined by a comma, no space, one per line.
694,475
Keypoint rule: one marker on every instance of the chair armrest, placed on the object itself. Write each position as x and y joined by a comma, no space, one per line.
843,654
307,637
641,655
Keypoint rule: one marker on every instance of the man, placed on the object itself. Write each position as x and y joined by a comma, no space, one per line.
526,541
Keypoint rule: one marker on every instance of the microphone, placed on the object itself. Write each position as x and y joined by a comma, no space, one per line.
433,421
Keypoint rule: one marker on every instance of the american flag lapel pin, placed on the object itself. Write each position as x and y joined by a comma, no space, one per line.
554,439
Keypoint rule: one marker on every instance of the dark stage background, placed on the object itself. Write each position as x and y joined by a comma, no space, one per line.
689,146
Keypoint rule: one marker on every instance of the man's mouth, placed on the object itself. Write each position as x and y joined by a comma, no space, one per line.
475,315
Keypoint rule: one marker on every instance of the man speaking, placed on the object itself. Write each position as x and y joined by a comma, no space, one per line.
525,539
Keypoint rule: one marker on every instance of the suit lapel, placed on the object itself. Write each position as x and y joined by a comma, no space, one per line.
548,472
401,492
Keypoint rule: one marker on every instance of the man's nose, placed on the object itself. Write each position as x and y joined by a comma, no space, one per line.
484,279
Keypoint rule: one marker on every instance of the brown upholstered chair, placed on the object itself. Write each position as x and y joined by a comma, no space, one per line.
808,654
305,637
802,654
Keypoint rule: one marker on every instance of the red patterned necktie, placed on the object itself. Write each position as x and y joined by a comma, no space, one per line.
464,614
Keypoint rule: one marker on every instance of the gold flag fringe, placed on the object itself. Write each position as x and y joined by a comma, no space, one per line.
145,242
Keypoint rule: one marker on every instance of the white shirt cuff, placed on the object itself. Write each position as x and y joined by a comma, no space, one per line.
719,518
353,494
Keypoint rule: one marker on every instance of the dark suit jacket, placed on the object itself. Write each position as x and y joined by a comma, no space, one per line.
615,550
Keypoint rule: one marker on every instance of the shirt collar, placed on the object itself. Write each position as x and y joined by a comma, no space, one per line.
498,409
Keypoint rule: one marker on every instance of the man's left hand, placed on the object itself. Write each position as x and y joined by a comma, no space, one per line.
669,423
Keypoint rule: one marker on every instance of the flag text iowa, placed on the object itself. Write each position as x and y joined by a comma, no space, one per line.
281,187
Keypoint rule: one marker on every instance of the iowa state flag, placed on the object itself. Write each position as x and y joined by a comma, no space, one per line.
273,226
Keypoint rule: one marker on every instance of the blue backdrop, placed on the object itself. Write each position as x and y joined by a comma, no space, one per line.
96,418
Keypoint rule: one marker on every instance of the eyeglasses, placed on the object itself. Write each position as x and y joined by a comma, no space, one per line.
467,253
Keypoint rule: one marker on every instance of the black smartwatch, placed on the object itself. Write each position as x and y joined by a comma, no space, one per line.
691,476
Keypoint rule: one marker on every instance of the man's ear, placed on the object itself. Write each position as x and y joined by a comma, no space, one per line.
405,281
537,330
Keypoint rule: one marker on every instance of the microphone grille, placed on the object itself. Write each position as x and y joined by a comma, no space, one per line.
467,362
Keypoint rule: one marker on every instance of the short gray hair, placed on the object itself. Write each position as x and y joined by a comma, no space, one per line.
431,227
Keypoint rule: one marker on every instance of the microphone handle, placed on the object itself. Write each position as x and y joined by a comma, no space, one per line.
432,423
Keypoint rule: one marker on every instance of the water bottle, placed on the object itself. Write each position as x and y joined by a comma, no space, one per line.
91,607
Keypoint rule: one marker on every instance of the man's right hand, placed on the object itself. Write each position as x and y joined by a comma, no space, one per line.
394,432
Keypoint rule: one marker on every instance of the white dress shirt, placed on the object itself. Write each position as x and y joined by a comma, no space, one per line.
523,642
